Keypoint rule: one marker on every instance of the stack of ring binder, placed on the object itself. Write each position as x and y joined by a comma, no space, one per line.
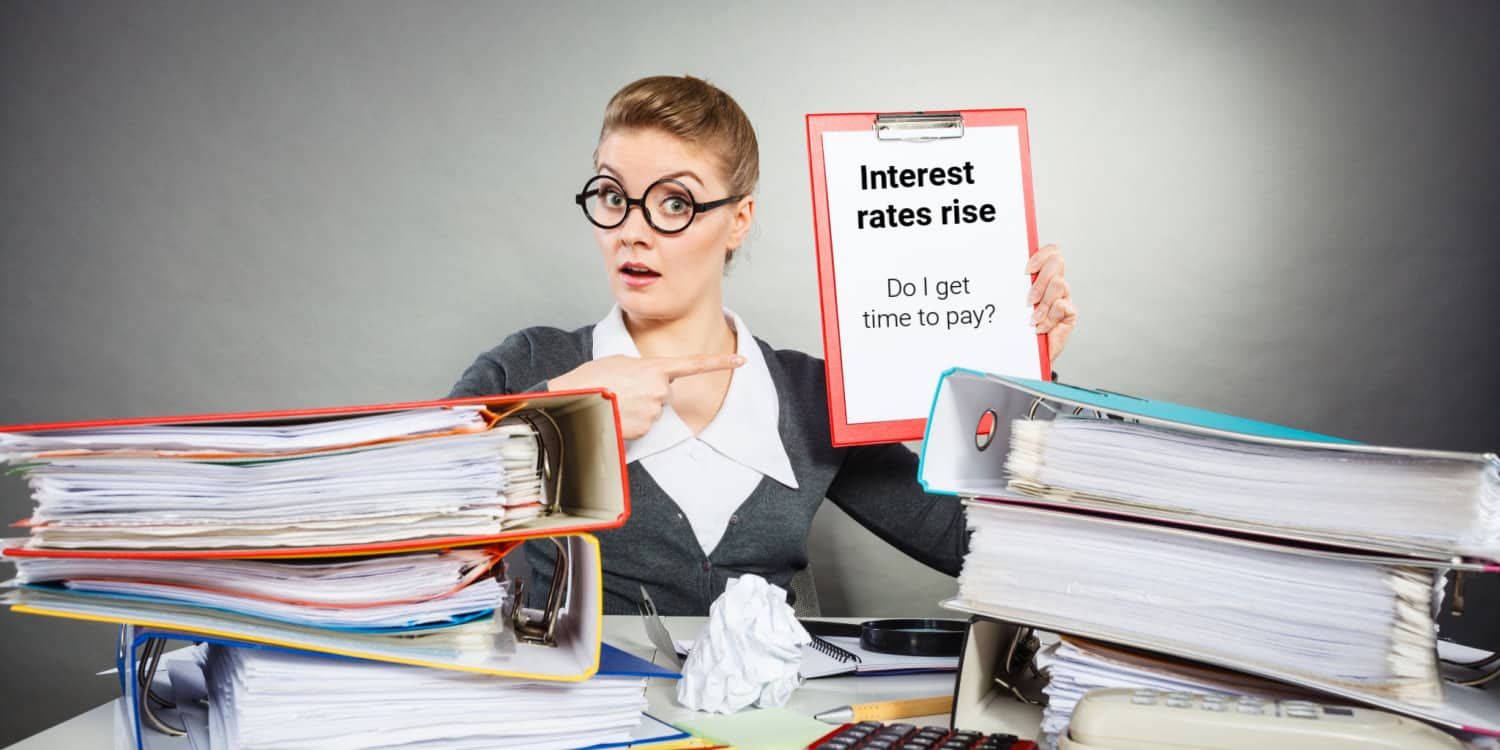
1308,560
373,533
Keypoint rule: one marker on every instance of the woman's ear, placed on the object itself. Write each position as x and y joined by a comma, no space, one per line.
744,216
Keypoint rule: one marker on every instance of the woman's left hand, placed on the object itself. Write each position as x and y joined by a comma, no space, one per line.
1055,314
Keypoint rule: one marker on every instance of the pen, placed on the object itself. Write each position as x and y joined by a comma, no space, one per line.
937,704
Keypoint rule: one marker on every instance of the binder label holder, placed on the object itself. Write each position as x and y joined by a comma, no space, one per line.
922,222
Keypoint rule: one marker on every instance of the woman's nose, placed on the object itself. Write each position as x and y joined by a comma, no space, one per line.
635,230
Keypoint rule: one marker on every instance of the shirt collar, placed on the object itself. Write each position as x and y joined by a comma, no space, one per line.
746,429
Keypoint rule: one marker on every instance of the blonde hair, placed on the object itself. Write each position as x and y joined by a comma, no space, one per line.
697,112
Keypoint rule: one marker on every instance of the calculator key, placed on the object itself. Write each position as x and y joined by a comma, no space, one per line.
904,729
919,743
836,744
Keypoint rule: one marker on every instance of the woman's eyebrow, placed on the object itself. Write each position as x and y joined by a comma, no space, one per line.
683,173
603,167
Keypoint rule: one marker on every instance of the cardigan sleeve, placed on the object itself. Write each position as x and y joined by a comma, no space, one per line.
877,486
522,363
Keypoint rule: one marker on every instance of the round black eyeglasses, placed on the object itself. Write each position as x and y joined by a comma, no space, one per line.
667,204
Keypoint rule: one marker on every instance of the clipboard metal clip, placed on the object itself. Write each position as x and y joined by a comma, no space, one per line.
919,126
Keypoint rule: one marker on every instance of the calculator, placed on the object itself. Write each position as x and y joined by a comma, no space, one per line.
875,735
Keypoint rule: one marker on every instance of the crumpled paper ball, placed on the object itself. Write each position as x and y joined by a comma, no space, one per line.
749,653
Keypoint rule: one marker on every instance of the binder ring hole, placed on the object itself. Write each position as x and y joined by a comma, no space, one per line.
984,432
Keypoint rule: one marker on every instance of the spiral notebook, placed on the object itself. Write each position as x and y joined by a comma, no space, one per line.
838,656
834,656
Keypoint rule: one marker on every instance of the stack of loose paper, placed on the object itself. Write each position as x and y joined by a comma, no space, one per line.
268,698
1319,619
394,592
430,472
1432,503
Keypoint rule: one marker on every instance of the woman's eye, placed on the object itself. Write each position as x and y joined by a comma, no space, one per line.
612,198
675,205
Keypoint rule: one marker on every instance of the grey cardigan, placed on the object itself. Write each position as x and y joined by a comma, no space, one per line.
767,535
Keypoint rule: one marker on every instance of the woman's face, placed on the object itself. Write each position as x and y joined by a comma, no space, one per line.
660,276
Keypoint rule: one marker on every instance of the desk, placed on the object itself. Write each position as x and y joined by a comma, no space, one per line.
95,728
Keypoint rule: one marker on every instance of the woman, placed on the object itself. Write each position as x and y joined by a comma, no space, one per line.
727,439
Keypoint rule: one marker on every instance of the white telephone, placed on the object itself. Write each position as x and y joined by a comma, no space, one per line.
1138,719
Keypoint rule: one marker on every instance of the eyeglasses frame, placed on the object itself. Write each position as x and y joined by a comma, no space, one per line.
640,202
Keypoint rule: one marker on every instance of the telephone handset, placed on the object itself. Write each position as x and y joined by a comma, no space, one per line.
1138,719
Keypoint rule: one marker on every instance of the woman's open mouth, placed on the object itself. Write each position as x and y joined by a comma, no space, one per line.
638,275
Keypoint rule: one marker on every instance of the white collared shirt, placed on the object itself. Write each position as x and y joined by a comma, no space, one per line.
710,475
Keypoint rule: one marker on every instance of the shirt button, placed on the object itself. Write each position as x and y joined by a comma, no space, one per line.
698,452
734,520
707,565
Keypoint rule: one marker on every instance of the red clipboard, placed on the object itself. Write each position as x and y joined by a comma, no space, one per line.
895,126
595,494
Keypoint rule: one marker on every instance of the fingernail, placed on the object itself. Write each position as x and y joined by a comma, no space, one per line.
739,359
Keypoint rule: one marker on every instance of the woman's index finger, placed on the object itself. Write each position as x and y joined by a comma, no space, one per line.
676,367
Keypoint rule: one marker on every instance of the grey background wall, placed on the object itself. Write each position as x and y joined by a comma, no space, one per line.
1283,210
